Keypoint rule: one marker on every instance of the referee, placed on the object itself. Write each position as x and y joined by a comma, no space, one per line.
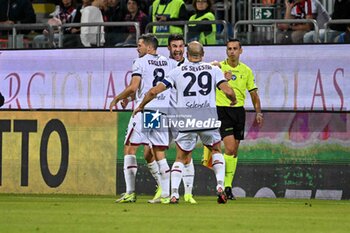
241,79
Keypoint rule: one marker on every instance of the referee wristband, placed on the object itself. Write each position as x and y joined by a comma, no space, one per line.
259,114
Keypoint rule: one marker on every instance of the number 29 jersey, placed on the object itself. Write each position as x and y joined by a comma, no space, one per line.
195,84
152,69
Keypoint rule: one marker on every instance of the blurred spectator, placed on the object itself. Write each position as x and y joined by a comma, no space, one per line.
168,11
134,15
66,14
268,2
204,33
341,10
321,15
72,40
345,36
15,12
300,9
145,6
92,14
115,12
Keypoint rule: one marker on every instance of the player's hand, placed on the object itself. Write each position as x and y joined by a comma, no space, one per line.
124,103
112,104
228,75
215,63
138,109
233,102
259,118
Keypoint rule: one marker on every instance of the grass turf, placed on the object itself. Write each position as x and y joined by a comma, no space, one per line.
73,213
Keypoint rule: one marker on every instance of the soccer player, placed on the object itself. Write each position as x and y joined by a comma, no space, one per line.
147,70
241,79
195,83
176,47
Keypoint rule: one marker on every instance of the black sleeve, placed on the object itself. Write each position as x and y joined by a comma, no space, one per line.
143,24
341,11
28,14
77,16
206,28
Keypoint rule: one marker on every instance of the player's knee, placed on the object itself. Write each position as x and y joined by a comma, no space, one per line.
230,150
148,157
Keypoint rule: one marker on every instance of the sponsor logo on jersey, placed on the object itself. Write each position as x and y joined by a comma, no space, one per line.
194,104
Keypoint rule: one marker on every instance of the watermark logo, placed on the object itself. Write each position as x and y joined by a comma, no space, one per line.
191,119
151,120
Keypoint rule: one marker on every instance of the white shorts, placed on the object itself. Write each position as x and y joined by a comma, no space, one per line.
134,133
173,132
187,141
158,137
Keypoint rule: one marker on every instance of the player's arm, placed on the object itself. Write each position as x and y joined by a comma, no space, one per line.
128,91
257,106
150,95
230,94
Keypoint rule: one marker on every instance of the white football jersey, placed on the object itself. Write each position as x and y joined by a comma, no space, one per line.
152,69
195,84
173,91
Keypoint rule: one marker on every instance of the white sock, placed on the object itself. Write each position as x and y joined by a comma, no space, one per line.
188,177
154,169
219,169
130,169
176,176
164,171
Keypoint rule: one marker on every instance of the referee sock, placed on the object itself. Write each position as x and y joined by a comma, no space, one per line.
154,169
230,169
130,170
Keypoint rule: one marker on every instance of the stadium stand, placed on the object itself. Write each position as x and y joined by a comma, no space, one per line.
252,21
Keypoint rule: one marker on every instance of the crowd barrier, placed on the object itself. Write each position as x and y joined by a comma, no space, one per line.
266,29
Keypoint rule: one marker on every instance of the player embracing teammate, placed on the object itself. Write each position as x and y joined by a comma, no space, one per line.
195,83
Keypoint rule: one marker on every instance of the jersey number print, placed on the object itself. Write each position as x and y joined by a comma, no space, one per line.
204,81
158,75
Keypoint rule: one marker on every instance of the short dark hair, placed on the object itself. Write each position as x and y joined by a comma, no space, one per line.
149,39
234,40
175,36
209,2
2,99
138,2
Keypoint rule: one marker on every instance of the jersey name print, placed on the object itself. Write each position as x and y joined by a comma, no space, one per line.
152,69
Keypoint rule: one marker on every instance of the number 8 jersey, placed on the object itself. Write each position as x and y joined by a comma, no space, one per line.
152,69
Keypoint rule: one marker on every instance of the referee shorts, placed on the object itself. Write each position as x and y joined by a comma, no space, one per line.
232,121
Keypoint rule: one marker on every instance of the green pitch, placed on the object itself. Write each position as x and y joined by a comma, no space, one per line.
67,213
